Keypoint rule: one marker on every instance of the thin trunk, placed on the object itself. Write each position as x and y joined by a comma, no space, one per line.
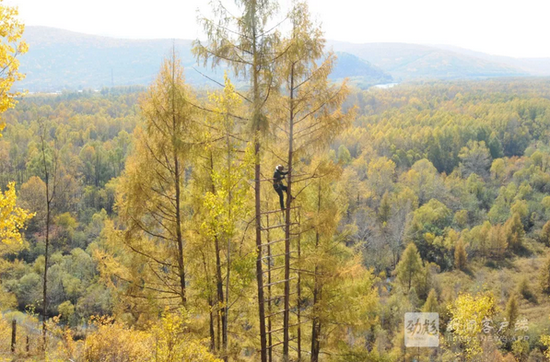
228,256
211,326
219,280
211,305
269,294
219,289
299,295
46,260
316,325
177,181
49,199
286,313
259,272
179,236
257,184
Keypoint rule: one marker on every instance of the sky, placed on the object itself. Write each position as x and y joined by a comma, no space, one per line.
498,27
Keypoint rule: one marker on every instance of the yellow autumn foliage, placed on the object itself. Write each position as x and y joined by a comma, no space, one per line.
468,315
113,341
12,218
166,341
11,30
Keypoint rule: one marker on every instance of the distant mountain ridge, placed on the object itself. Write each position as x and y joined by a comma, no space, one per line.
534,66
411,61
60,59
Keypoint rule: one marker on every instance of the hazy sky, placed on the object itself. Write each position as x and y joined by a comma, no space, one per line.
501,27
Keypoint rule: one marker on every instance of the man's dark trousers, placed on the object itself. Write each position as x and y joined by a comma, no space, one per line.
279,188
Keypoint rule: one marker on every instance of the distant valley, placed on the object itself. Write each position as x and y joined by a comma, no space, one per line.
64,60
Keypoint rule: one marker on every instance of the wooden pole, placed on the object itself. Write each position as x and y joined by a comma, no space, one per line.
13,335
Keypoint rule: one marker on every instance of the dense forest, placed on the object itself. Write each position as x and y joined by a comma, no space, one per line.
147,224
442,192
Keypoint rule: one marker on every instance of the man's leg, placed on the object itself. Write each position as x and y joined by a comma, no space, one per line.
285,189
281,197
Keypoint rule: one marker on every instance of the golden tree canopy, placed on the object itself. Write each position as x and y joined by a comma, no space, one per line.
11,45
12,218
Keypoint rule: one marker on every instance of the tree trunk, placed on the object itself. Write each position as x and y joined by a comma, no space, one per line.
49,199
177,181
316,325
259,272
46,259
257,183
286,312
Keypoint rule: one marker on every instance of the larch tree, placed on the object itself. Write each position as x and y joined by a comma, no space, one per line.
512,311
50,171
545,234
222,193
497,240
409,267
152,196
514,232
247,42
340,289
431,304
309,116
544,276
461,258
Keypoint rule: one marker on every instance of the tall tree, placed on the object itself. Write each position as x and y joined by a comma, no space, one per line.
409,267
222,194
50,171
11,31
309,115
514,232
335,278
544,276
247,44
461,258
151,201
12,218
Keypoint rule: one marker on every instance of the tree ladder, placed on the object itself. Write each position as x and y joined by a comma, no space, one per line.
282,283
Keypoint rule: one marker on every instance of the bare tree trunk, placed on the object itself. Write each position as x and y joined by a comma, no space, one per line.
316,325
259,272
221,300
49,198
257,184
211,325
286,312
46,260
211,330
225,316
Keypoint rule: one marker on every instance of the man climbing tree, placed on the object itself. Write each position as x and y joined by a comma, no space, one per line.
278,185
